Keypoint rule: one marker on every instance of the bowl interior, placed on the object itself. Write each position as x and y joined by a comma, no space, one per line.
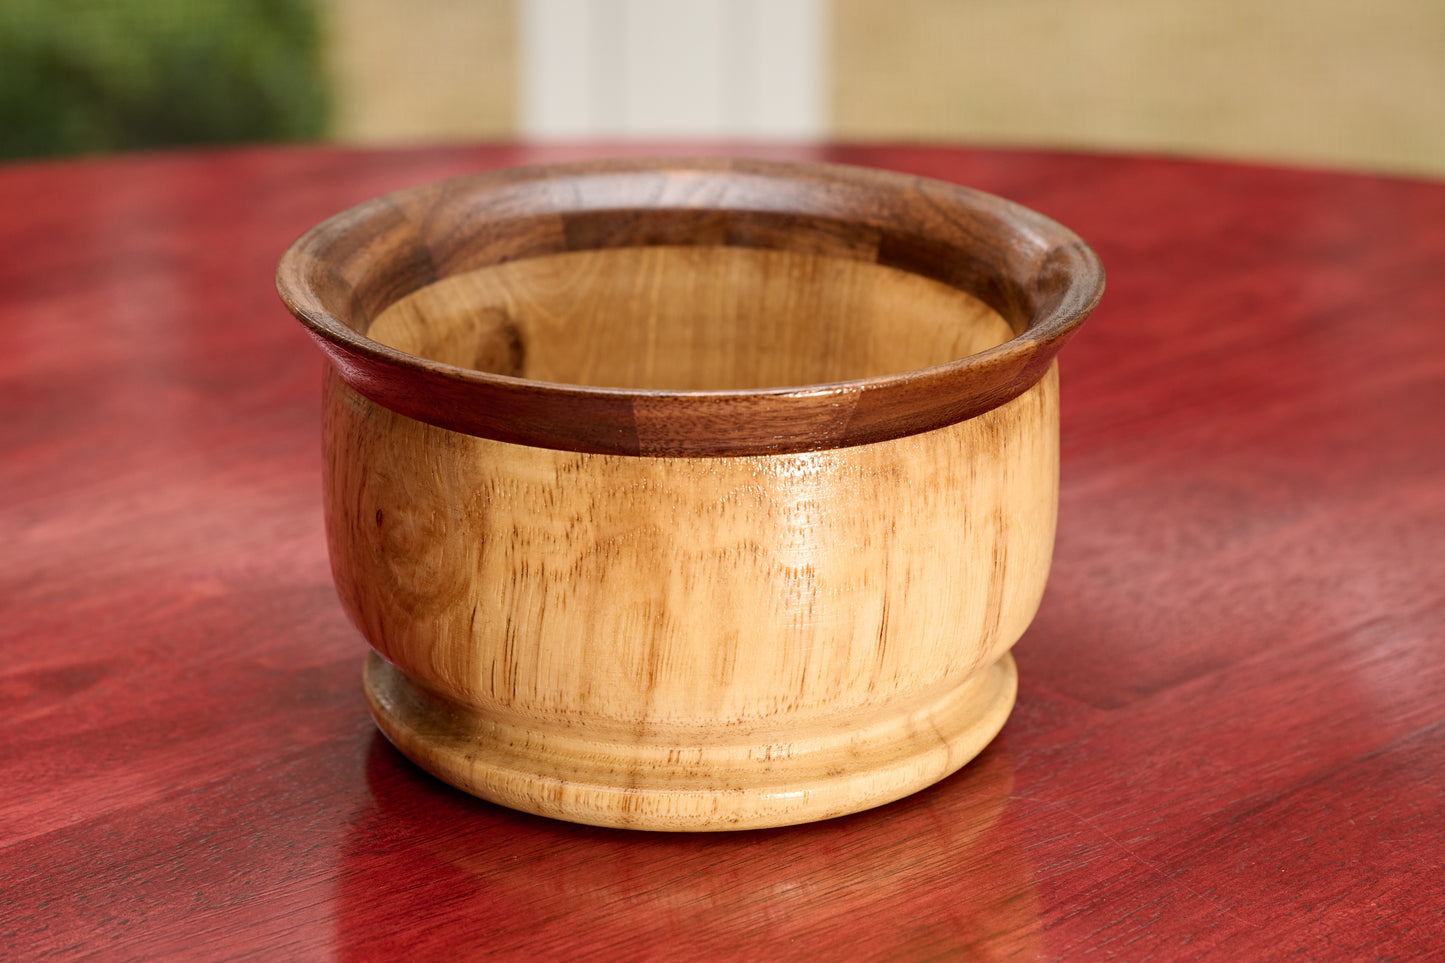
711,307
690,318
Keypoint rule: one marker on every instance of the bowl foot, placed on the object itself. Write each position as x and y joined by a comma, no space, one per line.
647,783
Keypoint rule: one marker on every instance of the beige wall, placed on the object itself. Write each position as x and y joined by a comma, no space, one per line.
1341,82
1349,82
422,70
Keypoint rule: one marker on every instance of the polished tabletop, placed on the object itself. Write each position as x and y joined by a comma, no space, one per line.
1229,742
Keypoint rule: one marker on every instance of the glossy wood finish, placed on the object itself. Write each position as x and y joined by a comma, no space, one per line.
1037,274
1229,741
690,643
698,318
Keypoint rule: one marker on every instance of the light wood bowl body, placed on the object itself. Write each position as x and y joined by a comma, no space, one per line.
700,496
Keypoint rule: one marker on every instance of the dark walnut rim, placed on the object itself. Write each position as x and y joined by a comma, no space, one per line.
342,273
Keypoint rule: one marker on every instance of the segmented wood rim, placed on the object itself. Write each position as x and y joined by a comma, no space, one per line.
1037,274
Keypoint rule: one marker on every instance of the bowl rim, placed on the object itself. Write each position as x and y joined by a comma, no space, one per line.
1038,274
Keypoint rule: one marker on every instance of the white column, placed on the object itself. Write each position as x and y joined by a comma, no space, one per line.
673,68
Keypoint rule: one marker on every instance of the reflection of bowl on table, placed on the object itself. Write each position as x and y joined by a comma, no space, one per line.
662,491
948,878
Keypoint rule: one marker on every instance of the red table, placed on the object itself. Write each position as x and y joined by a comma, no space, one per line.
1230,736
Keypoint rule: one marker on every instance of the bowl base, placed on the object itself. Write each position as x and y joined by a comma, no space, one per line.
701,788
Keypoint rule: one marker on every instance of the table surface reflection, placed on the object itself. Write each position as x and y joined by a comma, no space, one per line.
1228,742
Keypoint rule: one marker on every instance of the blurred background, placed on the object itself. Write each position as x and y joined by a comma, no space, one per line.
1327,82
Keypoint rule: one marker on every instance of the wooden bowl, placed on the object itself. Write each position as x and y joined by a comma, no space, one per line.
690,495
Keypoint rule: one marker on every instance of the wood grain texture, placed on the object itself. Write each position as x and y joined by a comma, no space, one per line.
1228,741
637,639
695,318
692,643
345,271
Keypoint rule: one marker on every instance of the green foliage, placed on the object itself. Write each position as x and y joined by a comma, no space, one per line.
98,75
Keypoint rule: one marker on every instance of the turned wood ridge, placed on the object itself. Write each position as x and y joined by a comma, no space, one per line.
690,495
